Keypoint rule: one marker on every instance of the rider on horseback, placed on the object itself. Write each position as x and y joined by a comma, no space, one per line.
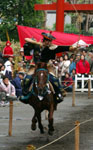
43,52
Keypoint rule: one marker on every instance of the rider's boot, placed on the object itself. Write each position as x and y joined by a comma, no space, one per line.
25,98
59,97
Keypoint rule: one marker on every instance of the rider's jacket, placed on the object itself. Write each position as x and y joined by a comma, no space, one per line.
43,54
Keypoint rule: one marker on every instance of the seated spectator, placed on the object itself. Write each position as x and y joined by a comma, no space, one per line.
67,84
72,65
7,91
65,66
82,67
9,68
17,83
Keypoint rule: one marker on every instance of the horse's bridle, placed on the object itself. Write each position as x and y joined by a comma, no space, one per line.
43,69
35,81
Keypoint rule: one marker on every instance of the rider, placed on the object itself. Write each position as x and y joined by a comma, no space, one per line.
43,52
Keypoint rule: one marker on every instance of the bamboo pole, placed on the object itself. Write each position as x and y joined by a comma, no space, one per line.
77,124
73,95
89,89
7,35
10,118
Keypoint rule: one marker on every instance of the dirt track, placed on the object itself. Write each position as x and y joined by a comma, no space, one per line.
64,120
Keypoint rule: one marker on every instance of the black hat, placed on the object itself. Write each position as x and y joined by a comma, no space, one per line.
21,73
83,49
48,36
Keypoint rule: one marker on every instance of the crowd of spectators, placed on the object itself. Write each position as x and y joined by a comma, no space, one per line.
65,66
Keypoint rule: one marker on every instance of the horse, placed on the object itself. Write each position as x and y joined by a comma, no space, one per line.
42,97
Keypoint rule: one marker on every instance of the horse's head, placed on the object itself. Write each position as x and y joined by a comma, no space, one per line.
41,78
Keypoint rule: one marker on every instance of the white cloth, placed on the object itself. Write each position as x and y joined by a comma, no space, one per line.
8,66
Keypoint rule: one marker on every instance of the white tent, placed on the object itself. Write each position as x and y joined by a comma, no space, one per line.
80,44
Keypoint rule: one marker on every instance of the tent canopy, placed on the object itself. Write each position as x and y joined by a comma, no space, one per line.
61,38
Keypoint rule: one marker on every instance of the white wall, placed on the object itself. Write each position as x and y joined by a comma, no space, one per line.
51,19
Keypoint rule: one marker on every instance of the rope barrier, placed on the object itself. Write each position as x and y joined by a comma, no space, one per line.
72,84
74,7
64,134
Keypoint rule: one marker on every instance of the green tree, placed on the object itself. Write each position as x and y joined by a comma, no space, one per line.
20,12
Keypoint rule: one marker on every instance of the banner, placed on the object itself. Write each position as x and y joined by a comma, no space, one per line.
61,38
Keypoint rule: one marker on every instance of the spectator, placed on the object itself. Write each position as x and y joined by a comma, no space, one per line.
6,90
0,55
82,67
67,84
7,51
77,58
2,71
65,67
60,65
1,59
55,65
84,52
17,83
90,60
72,65
22,57
9,68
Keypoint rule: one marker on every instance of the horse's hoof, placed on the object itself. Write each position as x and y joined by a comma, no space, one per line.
50,132
33,127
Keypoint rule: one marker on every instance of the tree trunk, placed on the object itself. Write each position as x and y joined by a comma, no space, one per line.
87,21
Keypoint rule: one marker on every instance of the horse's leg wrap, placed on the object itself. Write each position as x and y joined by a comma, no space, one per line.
34,121
51,128
40,124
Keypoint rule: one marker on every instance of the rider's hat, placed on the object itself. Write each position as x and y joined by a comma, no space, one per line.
48,36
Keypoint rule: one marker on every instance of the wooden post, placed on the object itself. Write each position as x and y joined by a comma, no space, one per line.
10,118
89,89
73,95
77,124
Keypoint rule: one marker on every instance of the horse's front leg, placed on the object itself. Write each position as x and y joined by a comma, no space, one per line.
34,121
40,124
50,120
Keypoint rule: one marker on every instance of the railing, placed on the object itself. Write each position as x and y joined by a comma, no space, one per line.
83,82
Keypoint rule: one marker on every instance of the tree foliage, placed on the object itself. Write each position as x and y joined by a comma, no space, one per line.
20,12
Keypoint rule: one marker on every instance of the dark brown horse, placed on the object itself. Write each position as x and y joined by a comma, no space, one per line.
42,98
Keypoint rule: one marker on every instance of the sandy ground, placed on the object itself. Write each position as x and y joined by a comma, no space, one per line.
64,121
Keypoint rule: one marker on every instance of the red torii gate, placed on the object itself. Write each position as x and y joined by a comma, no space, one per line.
61,6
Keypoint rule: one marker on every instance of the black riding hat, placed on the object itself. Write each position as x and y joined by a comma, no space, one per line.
48,36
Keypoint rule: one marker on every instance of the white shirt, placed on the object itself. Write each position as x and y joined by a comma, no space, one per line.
8,66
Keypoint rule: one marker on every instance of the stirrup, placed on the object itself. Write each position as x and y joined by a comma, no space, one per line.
59,98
